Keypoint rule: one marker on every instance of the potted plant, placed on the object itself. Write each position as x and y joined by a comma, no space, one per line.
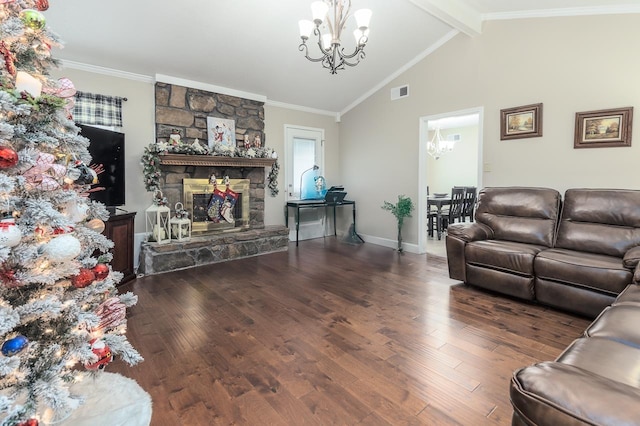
400,210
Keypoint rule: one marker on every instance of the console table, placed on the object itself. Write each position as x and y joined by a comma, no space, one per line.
307,204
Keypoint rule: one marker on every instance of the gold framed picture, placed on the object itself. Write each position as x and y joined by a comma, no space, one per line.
521,122
603,128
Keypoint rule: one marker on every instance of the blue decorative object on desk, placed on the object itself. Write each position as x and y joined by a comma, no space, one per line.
14,345
312,187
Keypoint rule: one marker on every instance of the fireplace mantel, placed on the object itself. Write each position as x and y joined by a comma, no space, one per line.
214,161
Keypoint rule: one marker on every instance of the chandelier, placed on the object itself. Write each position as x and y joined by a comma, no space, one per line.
438,146
334,14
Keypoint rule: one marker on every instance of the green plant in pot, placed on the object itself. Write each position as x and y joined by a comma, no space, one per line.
400,210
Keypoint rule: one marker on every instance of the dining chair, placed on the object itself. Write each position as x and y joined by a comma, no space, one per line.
469,203
440,222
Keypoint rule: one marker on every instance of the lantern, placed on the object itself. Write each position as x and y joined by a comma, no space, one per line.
180,224
157,220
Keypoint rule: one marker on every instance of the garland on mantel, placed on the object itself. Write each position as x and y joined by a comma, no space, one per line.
151,160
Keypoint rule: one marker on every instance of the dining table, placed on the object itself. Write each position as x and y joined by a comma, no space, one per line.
438,201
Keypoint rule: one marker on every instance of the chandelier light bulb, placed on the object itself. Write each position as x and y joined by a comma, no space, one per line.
319,11
361,37
306,27
363,18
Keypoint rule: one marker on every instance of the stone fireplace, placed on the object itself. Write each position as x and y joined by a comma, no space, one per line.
187,176
186,110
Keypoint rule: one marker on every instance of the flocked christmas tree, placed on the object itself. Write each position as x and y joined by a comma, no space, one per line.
60,314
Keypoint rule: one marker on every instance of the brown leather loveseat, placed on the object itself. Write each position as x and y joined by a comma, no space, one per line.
575,254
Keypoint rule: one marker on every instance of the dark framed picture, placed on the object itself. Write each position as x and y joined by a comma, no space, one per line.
603,128
521,122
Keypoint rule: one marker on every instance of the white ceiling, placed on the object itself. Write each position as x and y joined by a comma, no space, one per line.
252,45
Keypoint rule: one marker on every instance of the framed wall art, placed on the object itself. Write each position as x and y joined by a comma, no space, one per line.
521,122
603,128
221,131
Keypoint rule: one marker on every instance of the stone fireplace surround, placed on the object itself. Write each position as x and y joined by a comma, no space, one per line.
186,110
218,246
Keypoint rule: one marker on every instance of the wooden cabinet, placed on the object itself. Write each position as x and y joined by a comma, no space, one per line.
119,229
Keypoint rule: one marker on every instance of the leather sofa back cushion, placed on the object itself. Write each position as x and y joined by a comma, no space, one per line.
604,221
525,215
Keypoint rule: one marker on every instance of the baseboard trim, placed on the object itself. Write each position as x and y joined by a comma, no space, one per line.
385,242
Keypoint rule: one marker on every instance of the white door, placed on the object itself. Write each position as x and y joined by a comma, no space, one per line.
303,151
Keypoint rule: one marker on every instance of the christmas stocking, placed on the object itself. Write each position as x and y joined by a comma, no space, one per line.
213,210
229,204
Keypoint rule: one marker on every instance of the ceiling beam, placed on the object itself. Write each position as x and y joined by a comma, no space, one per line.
455,13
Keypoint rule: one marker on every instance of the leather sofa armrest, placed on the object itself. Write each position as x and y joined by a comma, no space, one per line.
636,274
468,232
551,393
631,257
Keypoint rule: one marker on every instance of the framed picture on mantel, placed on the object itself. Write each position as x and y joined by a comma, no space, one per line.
221,131
521,122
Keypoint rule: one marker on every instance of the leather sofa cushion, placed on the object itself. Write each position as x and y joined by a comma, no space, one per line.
600,221
550,393
630,295
619,323
604,357
525,215
502,255
583,270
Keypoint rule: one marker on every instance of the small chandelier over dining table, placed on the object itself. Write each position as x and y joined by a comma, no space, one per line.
334,14
438,146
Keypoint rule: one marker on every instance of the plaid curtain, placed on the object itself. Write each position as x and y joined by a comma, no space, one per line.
102,110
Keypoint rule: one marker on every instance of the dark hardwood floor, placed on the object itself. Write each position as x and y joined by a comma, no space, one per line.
330,333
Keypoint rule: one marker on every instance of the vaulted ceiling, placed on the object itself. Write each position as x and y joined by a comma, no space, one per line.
251,46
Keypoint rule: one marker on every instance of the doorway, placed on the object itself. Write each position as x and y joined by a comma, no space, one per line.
459,166
304,153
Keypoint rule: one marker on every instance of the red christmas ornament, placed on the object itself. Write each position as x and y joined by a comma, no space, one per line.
30,422
8,157
42,5
103,352
84,278
101,271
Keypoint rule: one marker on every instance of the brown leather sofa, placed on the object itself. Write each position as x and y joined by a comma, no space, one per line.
595,381
581,255
576,255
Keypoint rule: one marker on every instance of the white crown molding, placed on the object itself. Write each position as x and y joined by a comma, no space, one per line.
435,46
455,13
284,105
161,78
106,71
571,11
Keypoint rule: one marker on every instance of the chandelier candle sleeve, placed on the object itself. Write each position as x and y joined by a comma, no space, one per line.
331,17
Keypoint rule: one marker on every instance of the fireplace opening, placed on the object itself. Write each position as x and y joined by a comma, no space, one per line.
197,198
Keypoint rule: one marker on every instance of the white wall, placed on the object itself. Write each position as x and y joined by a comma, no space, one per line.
570,64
